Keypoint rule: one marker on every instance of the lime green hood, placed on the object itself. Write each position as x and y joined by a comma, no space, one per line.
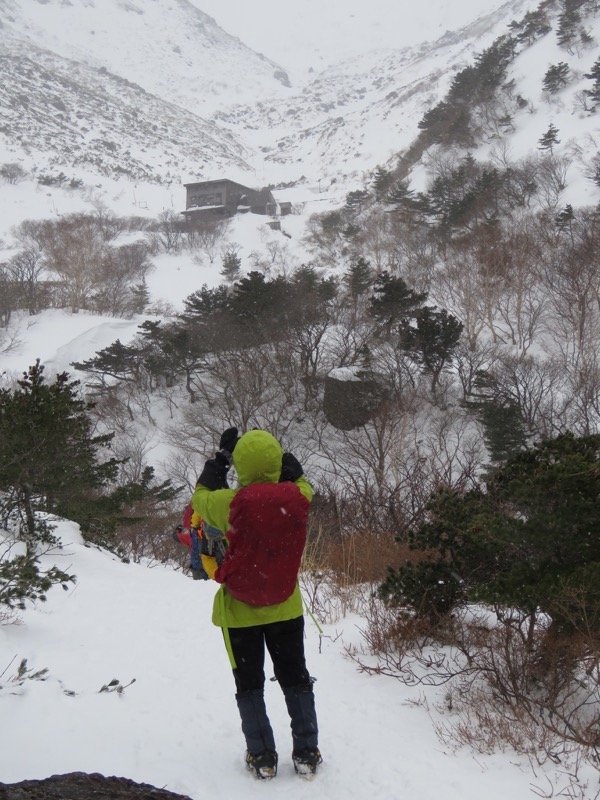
257,458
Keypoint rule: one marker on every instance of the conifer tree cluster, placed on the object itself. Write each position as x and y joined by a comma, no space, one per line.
52,463
523,540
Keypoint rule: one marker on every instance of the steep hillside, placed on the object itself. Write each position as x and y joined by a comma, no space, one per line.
60,113
364,110
169,47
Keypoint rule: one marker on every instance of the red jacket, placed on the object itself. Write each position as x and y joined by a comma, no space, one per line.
266,537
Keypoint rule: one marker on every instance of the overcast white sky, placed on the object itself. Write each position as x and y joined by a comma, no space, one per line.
314,33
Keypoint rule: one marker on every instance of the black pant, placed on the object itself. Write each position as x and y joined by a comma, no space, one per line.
285,643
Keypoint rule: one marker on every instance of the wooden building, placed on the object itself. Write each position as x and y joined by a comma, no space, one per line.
228,198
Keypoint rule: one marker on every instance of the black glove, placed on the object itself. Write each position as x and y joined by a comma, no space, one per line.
214,474
228,440
291,468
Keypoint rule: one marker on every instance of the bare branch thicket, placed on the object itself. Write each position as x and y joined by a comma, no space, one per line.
538,386
453,447
388,467
233,390
9,342
571,278
12,173
415,252
117,412
361,459
206,235
109,224
552,181
583,412
352,334
468,294
521,307
9,296
240,390
183,467
74,255
282,261
413,650
509,677
120,269
166,235
377,241
151,540
324,238
336,572
25,270
520,182
471,363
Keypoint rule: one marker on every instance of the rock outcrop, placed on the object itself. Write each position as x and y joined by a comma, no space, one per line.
81,786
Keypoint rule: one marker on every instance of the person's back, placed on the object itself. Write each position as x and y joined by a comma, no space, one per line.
267,530
259,602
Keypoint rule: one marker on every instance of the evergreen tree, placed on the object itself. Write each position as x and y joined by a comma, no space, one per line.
119,361
382,182
140,297
594,75
179,348
432,341
533,25
258,305
448,123
393,302
501,417
232,266
400,195
22,580
556,77
527,542
359,278
305,300
569,22
356,201
49,457
492,64
504,428
202,304
564,220
550,139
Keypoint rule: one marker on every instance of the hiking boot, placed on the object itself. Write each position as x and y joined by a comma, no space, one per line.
264,765
306,761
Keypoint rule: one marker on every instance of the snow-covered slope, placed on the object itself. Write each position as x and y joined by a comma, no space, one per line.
364,110
159,91
169,47
177,725
60,113
87,83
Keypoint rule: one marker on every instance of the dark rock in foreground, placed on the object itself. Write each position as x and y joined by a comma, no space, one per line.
81,786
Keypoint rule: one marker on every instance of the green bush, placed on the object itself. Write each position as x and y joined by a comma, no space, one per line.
529,540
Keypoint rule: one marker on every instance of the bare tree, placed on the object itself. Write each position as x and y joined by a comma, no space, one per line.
166,235
26,269
552,180
121,270
206,234
74,248
12,173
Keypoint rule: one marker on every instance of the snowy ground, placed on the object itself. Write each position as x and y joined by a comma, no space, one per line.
177,726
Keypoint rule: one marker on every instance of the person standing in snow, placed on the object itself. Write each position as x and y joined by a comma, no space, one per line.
258,604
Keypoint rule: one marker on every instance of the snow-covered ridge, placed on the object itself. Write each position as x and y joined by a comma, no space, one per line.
113,60
169,47
79,116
